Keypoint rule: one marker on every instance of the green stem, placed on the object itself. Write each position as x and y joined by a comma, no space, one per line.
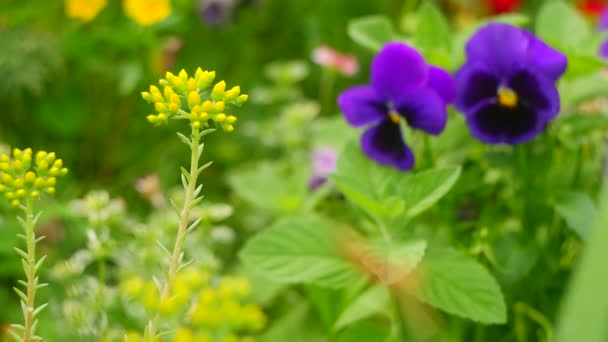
182,227
328,76
30,236
522,168
401,321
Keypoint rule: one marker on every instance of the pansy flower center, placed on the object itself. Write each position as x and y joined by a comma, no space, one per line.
394,116
507,97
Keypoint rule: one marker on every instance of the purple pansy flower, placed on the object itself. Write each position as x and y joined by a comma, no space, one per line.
506,89
403,88
323,164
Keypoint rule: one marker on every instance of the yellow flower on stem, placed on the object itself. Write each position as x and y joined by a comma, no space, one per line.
85,10
147,12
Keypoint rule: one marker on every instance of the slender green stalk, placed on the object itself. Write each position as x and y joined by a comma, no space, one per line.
184,216
28,299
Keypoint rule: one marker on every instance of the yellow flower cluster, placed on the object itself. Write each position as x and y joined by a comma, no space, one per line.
210,306
85,10
19,179
182,91
147,12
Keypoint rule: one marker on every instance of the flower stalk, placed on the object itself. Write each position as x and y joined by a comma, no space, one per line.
192,198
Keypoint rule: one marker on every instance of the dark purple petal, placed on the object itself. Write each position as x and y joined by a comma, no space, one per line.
475,83
384,144
443,83
395,68
536,92
423,109
550,61
502,47
604,49
361,106
495,124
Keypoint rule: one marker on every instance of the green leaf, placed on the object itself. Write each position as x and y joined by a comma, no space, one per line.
366,182
584,312
432,31
364,332
270,188
421,190
578,209
559,23
373,301
385,192
584,88
371,32
457,284
300,250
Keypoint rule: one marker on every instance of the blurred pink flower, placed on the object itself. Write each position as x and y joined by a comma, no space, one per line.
323,165
325,56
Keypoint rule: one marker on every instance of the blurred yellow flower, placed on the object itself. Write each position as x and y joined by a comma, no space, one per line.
84,10
147,12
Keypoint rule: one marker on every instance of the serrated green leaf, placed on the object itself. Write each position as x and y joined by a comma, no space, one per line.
457,284
374,301
421,190
578,209
432,31
299,250
559,23
371,32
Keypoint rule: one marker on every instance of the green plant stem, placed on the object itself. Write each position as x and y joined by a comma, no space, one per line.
522,169
30,236
402,323
328,77
182,227
101,279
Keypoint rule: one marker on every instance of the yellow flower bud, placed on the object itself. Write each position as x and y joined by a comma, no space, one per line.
40,155
220,117
157,98
50,157
20,193
194,99
151,118
204,79
18,183
9,195
196,124
50,190
175,99
174,108
231,119
7,179
162,117
17,164
15,203
51,181
168,92
35,194
154,90
54,171
132,286
150,297
229,128
4,166
4,158
232,94
147,96
169,75
219,106
167,306
27,151
183,335
207,106
161,107
194,115
204,116
196,110
58,163
30,177
242,99
183,75
40,182
17,153
64,171
191,84
178,84
218,91
2,188
43,165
